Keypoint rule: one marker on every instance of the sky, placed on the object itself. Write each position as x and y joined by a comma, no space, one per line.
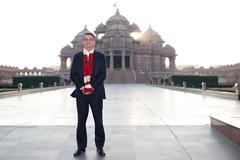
203,32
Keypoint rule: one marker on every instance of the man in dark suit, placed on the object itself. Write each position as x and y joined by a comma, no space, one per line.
88,72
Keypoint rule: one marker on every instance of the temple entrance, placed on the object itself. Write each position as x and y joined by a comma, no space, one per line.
117,62
117,59
127,61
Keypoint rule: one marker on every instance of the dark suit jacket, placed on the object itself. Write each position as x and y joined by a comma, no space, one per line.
97,78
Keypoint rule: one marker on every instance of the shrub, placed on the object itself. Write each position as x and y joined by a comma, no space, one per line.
194,80
33,81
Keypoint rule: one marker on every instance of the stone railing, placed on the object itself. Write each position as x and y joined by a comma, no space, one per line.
205,91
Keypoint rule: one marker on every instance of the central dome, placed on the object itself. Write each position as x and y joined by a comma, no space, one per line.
117,19
117,25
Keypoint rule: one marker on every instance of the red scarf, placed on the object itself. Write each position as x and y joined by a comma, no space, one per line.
87,71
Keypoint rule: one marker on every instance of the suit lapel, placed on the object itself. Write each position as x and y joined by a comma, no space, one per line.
94,63
81,62
81,65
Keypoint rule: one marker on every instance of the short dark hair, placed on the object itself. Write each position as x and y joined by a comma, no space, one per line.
90,34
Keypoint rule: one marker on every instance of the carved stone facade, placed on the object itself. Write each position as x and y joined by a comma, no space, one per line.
7,72
227,74
129,60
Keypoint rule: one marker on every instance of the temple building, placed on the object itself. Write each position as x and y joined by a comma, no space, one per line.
227,74
8,72
129,59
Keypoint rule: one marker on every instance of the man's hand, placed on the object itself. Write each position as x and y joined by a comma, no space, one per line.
87,90
86,93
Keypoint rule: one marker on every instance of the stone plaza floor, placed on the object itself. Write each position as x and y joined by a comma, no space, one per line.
141,122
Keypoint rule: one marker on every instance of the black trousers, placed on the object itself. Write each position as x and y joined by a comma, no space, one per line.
96,105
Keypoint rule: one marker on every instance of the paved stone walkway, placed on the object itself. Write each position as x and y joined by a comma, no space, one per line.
141,122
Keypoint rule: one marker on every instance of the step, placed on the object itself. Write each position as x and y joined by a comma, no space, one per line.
229,126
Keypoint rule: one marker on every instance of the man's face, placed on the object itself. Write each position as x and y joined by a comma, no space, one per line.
88,42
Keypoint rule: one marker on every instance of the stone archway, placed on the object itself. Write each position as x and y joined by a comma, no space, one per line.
68,63
167,63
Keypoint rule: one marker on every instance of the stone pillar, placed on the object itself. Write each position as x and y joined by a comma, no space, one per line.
97,35
63,63
41,85
184,84
123,60
111,60
172,65
19,87
204,85
131,60
55,84
164,82
237,88
163,65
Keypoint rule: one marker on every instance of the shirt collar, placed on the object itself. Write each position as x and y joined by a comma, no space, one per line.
86,52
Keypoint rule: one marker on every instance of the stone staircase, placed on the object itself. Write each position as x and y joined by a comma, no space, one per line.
119,76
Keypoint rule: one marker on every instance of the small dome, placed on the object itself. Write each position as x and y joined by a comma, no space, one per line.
79,36
134,28
100,28
151,36
67,50
169,48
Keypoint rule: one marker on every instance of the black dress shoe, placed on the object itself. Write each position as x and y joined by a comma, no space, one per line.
101,152
78,153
